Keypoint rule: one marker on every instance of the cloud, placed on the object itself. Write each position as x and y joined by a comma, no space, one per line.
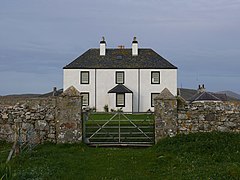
40,37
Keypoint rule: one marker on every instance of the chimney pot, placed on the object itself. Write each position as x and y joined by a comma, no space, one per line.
134,47
121,47
103,47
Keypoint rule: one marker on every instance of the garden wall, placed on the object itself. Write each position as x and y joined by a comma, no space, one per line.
55,119
175,117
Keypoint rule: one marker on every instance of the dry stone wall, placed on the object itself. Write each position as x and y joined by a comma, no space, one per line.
209,116
175,117
55,119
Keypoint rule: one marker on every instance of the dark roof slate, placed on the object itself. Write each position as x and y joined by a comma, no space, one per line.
120,59
120,89
208,96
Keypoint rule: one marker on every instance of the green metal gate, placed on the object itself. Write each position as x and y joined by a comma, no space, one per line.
118,129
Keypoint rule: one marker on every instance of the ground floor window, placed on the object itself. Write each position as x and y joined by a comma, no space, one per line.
120,100
85,99
153,96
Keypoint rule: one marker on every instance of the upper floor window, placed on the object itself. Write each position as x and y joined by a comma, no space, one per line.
155,77
84,79
119,77
85,99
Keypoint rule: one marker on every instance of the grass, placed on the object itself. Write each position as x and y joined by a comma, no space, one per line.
102,118
195,156
122,128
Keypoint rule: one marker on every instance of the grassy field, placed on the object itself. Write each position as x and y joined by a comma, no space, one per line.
194,156
119,128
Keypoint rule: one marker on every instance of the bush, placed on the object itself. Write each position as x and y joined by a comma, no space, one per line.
106,108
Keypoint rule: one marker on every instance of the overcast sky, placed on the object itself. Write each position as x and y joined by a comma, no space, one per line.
38,38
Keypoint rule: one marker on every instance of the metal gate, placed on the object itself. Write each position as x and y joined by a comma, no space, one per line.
118,129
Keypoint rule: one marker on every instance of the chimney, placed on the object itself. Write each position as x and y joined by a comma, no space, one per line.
102,47
201,89
121,47
134,47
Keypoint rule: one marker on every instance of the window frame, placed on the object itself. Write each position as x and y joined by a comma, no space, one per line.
117,72
87,93
81,80
152,72
120,105
152,100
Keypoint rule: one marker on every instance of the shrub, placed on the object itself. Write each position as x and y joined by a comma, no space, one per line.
106,108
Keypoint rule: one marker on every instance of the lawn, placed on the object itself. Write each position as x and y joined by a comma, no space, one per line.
108,128
194,156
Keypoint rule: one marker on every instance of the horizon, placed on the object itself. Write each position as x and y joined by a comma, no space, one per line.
38,38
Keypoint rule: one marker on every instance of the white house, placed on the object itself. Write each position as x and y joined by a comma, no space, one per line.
120,78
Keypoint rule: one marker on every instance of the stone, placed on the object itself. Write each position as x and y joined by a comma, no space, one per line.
201,117
230,124
51,136
27,126
182,116
5,116
222,129
49,117
41,125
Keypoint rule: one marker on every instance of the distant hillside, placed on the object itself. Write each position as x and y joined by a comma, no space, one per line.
230,94
58,92
23,95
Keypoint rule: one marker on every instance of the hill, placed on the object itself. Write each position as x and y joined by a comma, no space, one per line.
230,94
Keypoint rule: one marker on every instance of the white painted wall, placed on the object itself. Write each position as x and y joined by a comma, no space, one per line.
128,102
105,80
71,77
134,49
168,79
102,49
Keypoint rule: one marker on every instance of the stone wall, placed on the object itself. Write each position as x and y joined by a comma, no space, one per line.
165,115
209,116
55,119
173,116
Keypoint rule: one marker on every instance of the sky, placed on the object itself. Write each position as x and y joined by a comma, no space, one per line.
38,38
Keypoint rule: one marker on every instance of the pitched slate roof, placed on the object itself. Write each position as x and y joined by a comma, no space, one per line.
120,59
120,89
207,96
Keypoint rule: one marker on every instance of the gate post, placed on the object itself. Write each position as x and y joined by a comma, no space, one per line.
68,118
165,110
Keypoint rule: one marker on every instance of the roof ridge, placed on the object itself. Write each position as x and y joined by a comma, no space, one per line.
215,96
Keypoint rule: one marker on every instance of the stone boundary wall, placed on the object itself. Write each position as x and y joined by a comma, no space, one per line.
172,117
209,116
55,119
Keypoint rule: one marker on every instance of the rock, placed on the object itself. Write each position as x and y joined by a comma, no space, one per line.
49,117
51,136
222,129
41,125
5,116
182,116
27,126
230,124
